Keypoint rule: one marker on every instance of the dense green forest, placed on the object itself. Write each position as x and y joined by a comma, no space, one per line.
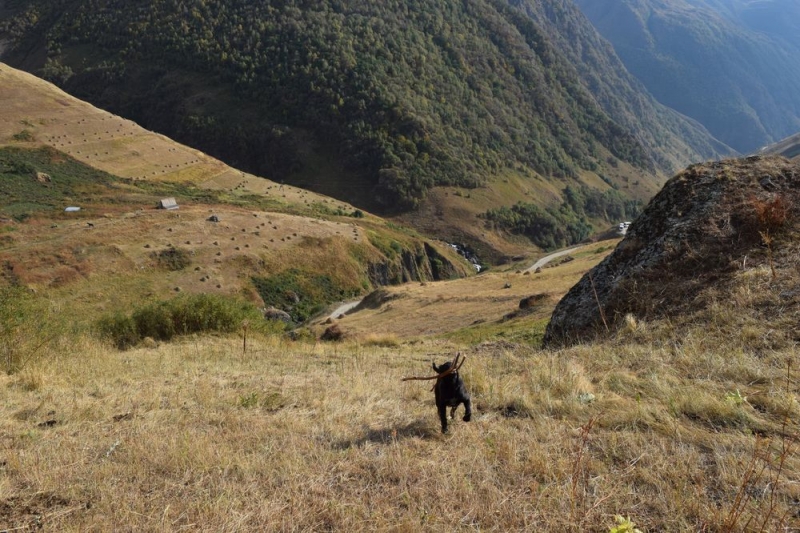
403,94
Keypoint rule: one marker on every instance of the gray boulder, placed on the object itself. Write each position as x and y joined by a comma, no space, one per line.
272,313
704,225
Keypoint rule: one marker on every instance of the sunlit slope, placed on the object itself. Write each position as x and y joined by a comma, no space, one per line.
35,112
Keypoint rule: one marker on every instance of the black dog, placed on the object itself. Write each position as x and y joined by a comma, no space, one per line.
450,392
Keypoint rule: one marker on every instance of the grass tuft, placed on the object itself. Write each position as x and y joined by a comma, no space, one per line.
385,340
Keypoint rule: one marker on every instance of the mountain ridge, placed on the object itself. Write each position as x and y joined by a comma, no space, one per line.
728,64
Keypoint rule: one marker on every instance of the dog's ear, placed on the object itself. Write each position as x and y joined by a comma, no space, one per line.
433,364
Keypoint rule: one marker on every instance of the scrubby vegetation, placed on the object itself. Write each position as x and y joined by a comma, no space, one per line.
300,293
569,223
183,315
173,258
29,328
22,196
68,181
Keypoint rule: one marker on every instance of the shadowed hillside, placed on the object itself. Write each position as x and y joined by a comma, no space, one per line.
733,65
374,103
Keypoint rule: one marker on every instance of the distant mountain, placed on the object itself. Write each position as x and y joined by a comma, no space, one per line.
779,19
384,100
733,65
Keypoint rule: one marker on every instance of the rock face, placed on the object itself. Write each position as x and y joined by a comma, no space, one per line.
707,223
418,262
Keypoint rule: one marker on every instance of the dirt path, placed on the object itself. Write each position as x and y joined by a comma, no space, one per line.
344,308
546,259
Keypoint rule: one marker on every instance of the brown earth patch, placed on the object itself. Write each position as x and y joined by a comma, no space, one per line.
30,512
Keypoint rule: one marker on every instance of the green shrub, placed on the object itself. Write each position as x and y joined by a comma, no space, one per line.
24,135
184,315
121,328
206,312
387,246
155,321
299,293
172,258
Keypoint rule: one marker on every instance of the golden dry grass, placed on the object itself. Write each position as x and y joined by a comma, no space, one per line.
198,436
690,428
437,308
100,266
119,146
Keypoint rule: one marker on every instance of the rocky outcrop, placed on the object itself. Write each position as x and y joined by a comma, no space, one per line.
421,262
441,267
332,333
706,223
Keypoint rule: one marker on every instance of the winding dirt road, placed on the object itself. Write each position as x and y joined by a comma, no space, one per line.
546,259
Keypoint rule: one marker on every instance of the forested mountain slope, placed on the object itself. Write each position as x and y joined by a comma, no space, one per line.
733,65
780,19
382,99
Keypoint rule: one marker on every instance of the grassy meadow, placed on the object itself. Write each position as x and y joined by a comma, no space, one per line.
690,430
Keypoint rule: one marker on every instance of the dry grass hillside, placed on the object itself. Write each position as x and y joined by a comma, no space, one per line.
473,309
37,113
122,254
689,426
119,250
199,435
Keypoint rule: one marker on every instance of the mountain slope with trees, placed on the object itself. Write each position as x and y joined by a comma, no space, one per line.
385,99
733,65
